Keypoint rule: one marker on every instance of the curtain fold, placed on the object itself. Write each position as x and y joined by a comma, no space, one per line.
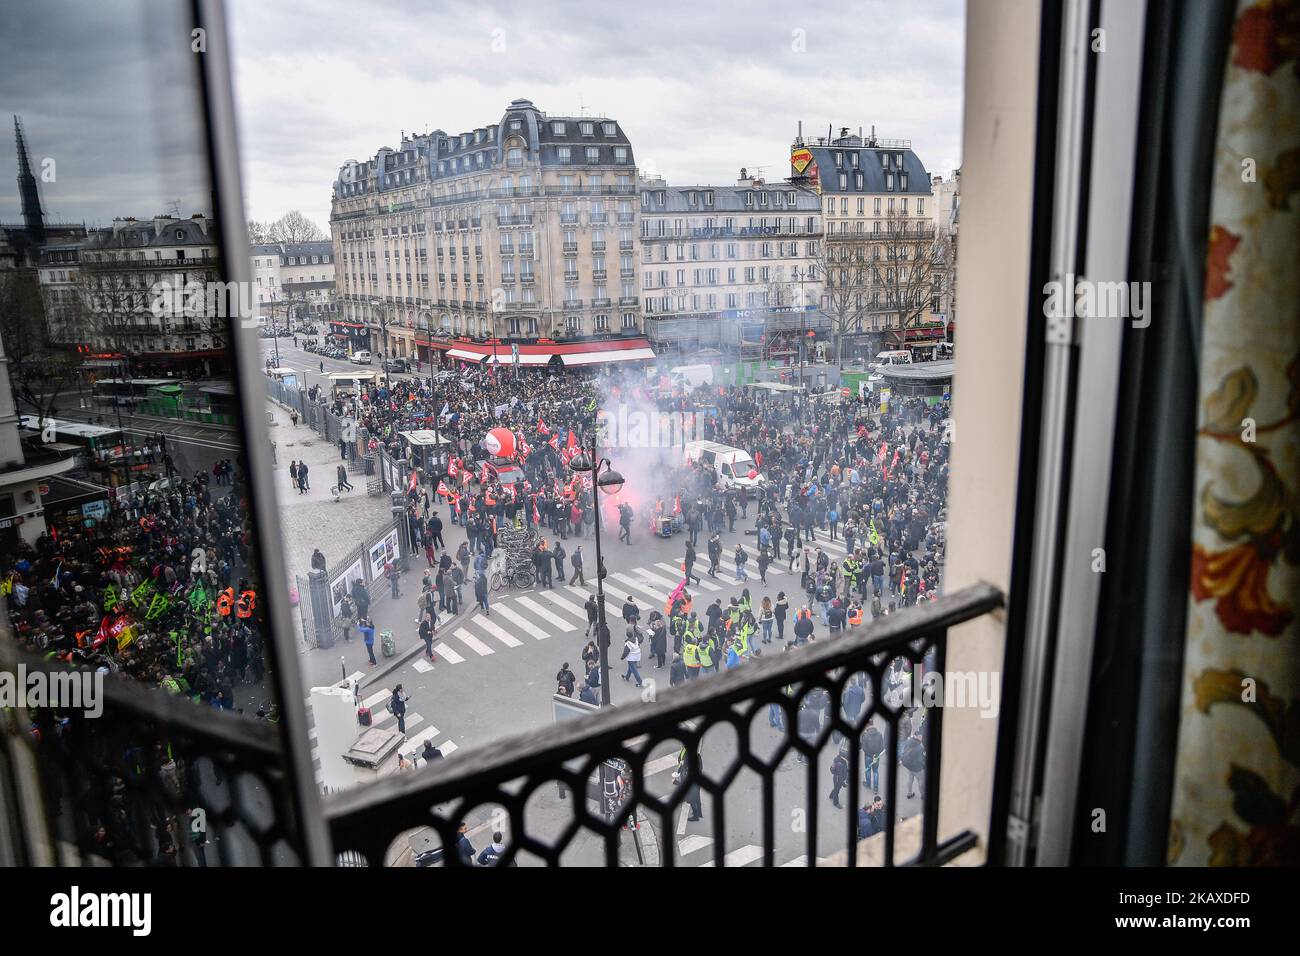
1236,790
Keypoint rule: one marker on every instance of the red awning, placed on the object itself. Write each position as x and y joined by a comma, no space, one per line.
351,325
570,353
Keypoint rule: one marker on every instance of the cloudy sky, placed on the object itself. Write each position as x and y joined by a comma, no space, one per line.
700,88
106,89
107,93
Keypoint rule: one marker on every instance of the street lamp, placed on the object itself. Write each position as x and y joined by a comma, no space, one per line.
610,482
799,276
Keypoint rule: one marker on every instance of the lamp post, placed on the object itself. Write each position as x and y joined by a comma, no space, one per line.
799,276
610,482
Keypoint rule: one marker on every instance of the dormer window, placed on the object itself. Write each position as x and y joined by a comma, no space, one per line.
708,197
839,160
557,129
608,128
691,197
853,160
588,129
516,125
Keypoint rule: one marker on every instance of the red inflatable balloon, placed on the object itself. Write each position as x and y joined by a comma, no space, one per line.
753,473
500,442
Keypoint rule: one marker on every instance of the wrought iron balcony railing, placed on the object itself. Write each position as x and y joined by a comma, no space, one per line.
750,721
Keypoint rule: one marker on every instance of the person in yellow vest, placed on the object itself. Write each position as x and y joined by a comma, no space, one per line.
708,653
743,647
691,658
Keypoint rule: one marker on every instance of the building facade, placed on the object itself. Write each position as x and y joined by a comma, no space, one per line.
730,267
877,260
295,282
522,230
947,214
120,274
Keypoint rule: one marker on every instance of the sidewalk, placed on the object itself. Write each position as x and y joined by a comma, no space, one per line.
315,519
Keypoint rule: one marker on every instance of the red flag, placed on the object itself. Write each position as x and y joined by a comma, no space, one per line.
554,442
514,492
443,489
758,459
411,485
884,450
570,448
453,468
524,448
485,475
677,505
541,426
537,515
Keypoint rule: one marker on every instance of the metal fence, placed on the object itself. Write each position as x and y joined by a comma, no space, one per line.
154,779
744,722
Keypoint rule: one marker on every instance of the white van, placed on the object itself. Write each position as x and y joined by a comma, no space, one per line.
362,357
899,357
693,375
731,465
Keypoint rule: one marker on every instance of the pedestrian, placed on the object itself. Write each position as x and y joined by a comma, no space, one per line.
839,777
632,654
576,561
491,855
426,635
481,592
464,849
593,614
346,609
391,572
779,611
343,482
367,632
741,558
566,678
397,707
303,472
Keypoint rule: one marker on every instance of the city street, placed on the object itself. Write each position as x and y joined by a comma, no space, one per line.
494,674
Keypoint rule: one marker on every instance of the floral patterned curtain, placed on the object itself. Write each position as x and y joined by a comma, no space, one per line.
1236,797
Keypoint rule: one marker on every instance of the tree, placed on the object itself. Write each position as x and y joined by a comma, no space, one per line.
259,233
843,261
293,226
40,369
880,281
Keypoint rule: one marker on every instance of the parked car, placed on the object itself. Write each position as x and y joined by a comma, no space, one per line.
397,365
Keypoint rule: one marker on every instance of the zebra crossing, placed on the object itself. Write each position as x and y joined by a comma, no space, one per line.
418,730
516,619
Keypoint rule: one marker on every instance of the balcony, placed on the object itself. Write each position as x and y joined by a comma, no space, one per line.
598,275
627,217
601,303
627,273
508,278
515,220
507,250
527,278
598,245
628,300
515,772
625,245
571,277
527,252
599,218
569,218
572,305
570,248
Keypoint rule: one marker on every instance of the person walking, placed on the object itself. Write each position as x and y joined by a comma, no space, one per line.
593,614
481,592
346,610
741,558
397,707
779,610
688,564
426,635
343,482
632,654
390,572
839,777
435,526
576,561
303,472
715,553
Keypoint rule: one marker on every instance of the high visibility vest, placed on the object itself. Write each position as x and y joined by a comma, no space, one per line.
247,602
741,642
855,617
706,654
226,602
691,654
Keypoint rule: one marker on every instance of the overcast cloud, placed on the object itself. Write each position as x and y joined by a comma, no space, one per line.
107,88
700,88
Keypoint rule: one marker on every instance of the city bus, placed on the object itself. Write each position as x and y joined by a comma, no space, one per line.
129,391
95,443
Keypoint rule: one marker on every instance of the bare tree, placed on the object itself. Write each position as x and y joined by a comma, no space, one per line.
259,233
293,226
41,370
844,262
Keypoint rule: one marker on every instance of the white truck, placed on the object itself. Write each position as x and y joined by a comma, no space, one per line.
731,465
693,375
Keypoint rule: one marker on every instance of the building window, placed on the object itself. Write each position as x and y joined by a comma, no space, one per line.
557,128
593,154
562,153
620,154
588,129
844,180
839,160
